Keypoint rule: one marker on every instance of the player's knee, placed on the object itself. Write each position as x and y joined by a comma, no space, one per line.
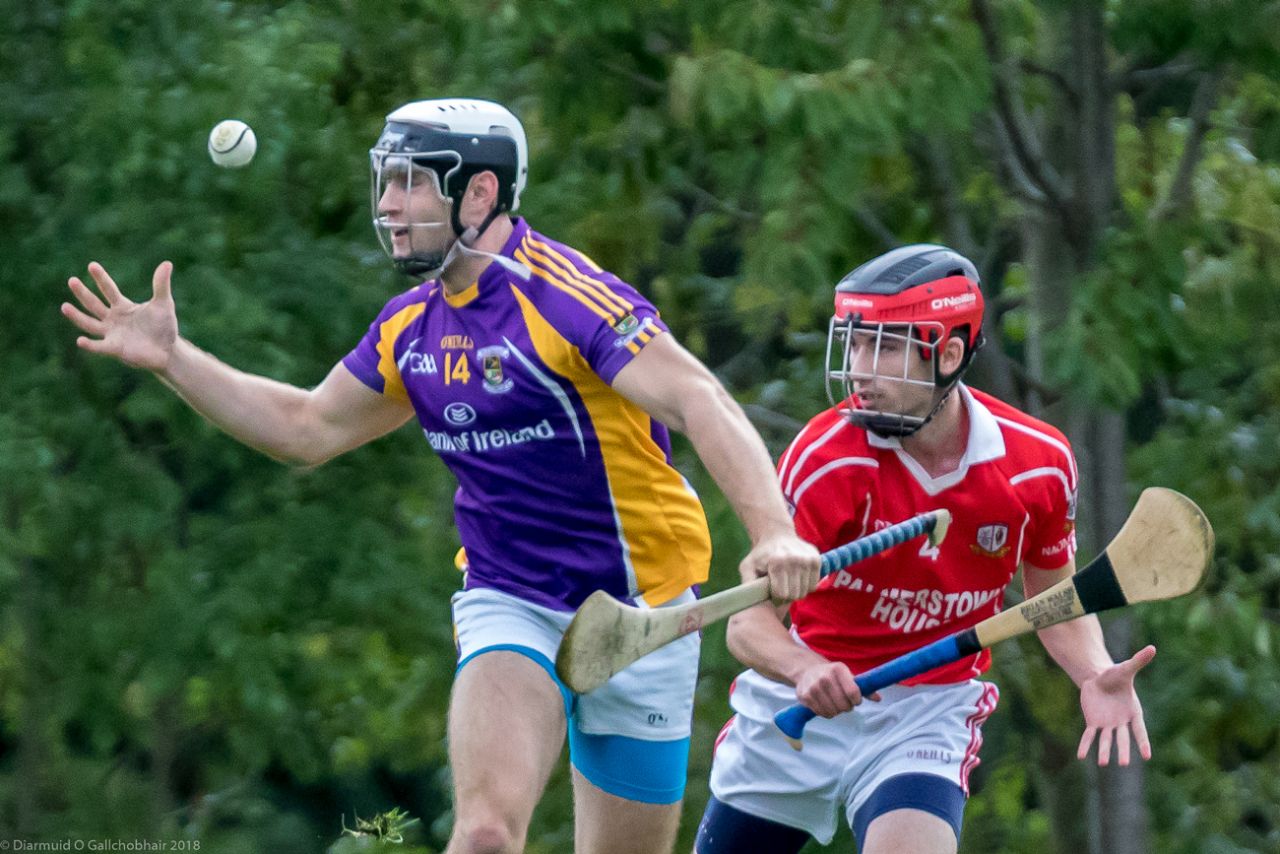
489,835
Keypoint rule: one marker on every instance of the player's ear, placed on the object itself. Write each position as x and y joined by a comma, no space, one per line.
952,355
483,188
481,196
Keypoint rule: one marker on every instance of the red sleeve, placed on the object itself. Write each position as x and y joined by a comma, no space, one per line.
828,507
1051,533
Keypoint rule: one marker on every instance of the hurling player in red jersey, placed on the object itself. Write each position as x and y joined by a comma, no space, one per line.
904,436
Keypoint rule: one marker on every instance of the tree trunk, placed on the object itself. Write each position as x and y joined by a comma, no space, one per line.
1118,813
1061,246
1121,812
1049,268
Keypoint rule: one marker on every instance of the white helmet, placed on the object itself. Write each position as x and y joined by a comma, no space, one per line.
454,138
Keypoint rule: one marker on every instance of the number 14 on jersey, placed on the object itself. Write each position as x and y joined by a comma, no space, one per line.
458,370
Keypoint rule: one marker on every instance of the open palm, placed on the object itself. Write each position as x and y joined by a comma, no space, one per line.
1111,709
139,334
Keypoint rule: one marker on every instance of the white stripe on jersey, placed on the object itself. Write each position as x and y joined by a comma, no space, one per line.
1046,471
1048,440
1022,535
834,464
633,584
555,389
782,464
818,443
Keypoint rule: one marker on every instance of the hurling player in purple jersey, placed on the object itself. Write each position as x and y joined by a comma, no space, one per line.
547,386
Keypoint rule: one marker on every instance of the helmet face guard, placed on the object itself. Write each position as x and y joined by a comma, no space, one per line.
910,343
428,241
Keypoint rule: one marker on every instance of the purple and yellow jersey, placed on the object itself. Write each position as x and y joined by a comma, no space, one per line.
564,486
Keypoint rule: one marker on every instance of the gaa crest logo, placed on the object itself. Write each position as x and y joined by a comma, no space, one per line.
495,382
992,541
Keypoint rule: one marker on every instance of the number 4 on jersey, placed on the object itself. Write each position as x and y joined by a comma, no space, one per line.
458,370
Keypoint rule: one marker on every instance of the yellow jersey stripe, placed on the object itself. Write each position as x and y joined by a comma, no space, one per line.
388,332
662,529
553,259
618,299
573,292
550,267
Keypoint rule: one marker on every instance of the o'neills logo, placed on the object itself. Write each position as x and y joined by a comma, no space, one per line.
855,302
953,302
457,342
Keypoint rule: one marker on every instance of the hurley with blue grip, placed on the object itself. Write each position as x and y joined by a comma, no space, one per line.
607,635
1162,551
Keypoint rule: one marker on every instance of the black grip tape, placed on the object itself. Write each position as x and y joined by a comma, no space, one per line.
1097,587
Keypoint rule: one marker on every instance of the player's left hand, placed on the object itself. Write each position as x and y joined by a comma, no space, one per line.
1111,709
793,566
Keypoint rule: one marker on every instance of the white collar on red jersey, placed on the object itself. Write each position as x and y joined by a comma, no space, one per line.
986,443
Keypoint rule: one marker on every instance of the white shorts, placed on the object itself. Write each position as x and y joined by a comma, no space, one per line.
924,729
651,700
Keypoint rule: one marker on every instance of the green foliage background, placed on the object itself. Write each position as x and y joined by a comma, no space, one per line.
197,642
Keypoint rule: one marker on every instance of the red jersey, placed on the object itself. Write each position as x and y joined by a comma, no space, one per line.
1012,499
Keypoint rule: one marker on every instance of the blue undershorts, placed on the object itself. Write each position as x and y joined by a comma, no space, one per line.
630,737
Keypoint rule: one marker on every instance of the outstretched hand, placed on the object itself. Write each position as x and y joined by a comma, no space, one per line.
1111,709
141,335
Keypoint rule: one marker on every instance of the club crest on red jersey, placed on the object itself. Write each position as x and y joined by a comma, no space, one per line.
992,541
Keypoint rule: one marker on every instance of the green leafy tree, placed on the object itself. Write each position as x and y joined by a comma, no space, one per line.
194,639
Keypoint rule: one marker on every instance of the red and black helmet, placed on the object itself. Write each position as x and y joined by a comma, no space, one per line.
925,292
918,284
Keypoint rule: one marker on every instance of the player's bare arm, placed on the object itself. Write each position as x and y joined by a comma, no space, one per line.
1077,646
674,387
291,424
758,638
1112,711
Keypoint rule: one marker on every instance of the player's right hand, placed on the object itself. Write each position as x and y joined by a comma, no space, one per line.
829,690
794,566
142,335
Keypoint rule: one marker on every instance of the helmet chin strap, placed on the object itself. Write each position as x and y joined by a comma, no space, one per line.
429,265
420,265
896,427
462,246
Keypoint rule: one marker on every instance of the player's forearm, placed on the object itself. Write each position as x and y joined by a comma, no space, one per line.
1078,647
264,414
737,459
758,639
